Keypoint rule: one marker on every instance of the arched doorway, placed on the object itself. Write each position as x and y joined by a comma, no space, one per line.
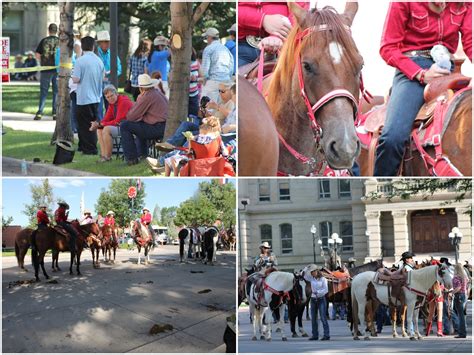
430,229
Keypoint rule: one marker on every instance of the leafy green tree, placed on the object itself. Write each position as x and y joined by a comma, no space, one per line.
6,221
167,215
115,198
40,194
222,196
196,212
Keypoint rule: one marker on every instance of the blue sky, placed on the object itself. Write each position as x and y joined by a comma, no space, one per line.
164,192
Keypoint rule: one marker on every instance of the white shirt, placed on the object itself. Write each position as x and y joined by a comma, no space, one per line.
319,287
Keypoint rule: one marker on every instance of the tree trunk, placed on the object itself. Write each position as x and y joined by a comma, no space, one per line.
124,43
63,129
183,20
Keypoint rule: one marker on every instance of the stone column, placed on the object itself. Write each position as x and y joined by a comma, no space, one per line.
464,225
243,242
374,239
400,229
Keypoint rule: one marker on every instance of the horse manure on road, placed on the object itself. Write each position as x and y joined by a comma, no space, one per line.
158,328
149,282
52,282
207,290
196,272
12,284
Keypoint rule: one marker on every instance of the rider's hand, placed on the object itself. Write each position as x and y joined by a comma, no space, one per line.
277,25
271,44
434,72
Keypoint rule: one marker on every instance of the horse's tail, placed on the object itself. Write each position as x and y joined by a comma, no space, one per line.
34,249
17,252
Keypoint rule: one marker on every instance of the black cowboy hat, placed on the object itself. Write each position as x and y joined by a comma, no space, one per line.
445,261
407,255
61,203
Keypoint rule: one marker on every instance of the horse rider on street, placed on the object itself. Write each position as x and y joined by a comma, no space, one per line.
266,259
146,220
87,218
60,216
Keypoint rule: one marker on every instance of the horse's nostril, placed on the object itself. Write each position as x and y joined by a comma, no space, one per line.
332,148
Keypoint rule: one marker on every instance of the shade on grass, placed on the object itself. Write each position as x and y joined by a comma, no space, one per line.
30,145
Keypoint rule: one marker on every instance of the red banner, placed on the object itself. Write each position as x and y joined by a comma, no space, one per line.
5,58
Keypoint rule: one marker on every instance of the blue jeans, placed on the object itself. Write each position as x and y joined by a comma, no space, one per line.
459,301
247,54
177,139
134,147
228,138
403,106
319,305
47,77
193,105
73,111
381,316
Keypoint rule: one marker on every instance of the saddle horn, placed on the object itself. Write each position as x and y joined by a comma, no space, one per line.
350,11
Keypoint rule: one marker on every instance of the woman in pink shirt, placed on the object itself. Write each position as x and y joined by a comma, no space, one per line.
411,30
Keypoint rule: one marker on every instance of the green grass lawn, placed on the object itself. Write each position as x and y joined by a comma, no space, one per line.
30,145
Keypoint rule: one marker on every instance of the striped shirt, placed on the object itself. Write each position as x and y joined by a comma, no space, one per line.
137,67
459,281
193,80
217,62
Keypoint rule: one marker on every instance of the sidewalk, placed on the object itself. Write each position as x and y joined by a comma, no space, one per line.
25,122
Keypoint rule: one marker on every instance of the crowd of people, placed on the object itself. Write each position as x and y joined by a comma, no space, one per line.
99,114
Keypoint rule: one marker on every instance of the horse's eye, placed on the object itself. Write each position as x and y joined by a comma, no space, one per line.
308,68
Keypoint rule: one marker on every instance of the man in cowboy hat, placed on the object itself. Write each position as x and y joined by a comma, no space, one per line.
408,263
266,258
88,73
217,64
42,217
110,221
146,220
60,216
103,51
145,121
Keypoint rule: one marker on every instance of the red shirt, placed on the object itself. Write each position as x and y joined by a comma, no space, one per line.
42,217
413,26
251,16
146,218
60,215
109,221
117,111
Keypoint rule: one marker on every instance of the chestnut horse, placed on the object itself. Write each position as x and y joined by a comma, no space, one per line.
109,243
142,238
258,146
22,243
314,93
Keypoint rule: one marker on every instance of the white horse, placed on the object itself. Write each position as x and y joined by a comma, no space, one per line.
419,281
275,288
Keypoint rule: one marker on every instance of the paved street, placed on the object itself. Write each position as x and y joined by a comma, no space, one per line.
112,309
341,340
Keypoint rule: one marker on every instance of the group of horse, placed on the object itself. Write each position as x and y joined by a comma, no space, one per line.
309,118
203,242
358,288
57,239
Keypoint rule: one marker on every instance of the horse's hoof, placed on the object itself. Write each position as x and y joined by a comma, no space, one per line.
269,339
356,338
278,330
79,274
404,335
294,335
53,270
58,269
366,338
284,339
254,338
304,335
262,337
47,277
412,338
395,335
420,337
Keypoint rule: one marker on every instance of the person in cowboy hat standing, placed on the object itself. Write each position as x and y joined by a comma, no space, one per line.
103,51
60,216
408,263
319,289
266,258
146,120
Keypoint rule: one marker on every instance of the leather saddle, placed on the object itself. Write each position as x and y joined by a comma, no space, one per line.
395,280
60,230
439,90
250,71
258,279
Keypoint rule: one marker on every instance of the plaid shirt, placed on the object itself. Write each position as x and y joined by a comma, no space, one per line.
217,62
459,281
137,67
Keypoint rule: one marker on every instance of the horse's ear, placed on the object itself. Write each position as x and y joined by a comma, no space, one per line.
350,11
298,12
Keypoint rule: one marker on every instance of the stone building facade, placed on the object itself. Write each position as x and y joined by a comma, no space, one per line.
282,212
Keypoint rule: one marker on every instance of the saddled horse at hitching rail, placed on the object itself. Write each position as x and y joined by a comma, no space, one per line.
419,282
314,91
143,239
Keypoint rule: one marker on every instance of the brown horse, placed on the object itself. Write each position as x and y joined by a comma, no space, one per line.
258,146
22,243
109,243
314,92
142,238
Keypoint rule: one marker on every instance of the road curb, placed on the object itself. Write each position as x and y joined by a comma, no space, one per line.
12,167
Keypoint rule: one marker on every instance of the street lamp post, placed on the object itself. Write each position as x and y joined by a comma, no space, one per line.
334,242
455,238
313,232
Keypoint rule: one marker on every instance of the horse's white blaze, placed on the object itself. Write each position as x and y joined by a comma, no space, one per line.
336,52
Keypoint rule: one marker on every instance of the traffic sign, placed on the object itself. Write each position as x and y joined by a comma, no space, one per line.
132,192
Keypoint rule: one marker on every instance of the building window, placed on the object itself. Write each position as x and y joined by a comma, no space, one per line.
324,190
266,233
344,188
346,235
264,191
286,235
284,188
326,231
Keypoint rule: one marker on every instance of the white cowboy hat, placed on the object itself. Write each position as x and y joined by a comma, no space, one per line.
144,81
211,32
312,268
110,212
265,245
146,209
42,206
232,28
87,212
103,36
160,40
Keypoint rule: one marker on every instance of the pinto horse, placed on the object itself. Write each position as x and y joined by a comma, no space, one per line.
209,245
109,243
314,93
184,236
298,301
142,238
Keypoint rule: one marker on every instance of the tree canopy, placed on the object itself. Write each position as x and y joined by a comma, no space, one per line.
40,194
115,198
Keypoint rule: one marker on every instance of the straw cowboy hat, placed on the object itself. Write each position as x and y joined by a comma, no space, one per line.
103,36
110,213
144,81
87,212
160,41
265,245
211,32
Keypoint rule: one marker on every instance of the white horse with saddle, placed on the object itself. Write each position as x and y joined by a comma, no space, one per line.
417,285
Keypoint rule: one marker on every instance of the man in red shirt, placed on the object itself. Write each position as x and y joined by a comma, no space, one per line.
60,216
146,220
42,217
411,30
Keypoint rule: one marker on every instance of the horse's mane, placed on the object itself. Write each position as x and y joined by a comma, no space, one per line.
282,76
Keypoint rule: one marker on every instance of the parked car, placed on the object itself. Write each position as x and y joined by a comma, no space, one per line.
163,239
175,241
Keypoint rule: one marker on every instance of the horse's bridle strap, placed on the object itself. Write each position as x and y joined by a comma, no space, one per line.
419,293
